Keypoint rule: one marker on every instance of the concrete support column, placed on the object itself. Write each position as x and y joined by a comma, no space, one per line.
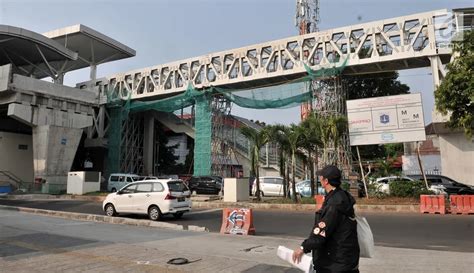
438,72
54,149
93,72
435,71
148,144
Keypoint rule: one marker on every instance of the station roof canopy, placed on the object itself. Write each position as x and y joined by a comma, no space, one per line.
24,47
92,46
58,51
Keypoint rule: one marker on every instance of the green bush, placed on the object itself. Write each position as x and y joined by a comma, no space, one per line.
374,190
408,189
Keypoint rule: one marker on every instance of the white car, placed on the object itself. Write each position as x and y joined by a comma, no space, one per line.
154,198
119,180
383,182
269,186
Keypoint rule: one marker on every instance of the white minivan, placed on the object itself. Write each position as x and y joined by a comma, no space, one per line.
119,180
154,198
269,186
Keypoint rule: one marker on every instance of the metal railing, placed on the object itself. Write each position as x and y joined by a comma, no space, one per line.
11,179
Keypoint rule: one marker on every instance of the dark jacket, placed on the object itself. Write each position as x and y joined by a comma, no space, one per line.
333,239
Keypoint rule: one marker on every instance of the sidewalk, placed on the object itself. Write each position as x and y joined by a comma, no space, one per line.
119,248
212,203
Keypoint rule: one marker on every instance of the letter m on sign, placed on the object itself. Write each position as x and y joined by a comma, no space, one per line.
404,112
416,116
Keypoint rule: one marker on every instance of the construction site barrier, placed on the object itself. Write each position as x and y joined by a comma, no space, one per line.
319,199
432,204
462,204
237,221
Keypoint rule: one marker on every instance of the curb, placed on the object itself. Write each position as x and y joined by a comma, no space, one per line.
220,204
306,207
104,219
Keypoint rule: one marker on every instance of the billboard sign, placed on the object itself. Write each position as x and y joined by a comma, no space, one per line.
389,119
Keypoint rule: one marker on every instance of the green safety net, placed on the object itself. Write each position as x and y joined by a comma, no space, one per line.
203,136
284,95
117,116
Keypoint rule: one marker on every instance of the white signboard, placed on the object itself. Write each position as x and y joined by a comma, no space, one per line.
389,119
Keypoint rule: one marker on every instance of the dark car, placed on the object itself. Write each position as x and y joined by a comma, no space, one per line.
206,184
447,184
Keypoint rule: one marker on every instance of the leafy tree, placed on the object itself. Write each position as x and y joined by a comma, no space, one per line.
455,95
375,85
258,140
385,167
393,149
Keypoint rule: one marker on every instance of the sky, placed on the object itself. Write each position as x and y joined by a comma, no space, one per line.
163,31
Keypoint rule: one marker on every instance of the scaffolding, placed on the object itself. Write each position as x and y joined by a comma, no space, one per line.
329,94
224,161
330,101
131,159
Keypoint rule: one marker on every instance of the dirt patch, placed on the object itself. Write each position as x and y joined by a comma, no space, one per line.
388,201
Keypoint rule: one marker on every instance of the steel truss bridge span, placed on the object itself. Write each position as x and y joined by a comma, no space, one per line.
392,44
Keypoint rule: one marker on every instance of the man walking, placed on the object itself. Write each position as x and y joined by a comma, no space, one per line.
333,239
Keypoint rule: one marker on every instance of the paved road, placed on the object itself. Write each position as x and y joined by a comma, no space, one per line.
403,230
36,243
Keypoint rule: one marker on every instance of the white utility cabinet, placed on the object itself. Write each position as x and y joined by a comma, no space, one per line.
83,182
236,189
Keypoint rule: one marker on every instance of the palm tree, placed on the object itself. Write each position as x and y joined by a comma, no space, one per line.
293,134
311,140
258,140
276,135
331,129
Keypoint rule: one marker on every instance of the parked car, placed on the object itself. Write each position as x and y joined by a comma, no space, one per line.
441,184
154,198
119,180
206,184
269,186
304,188
383,182
168,176
142,178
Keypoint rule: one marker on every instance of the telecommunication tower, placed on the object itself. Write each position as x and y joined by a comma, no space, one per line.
307,21
329,94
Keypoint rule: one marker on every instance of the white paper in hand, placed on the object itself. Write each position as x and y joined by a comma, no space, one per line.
286,254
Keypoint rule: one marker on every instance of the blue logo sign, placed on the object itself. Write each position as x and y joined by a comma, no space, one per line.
63,141
387,137
384,118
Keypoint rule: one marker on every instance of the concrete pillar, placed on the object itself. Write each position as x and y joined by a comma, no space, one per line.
435,71
54,149
93,72
148,144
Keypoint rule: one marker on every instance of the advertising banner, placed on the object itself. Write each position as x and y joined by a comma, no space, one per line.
389,119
